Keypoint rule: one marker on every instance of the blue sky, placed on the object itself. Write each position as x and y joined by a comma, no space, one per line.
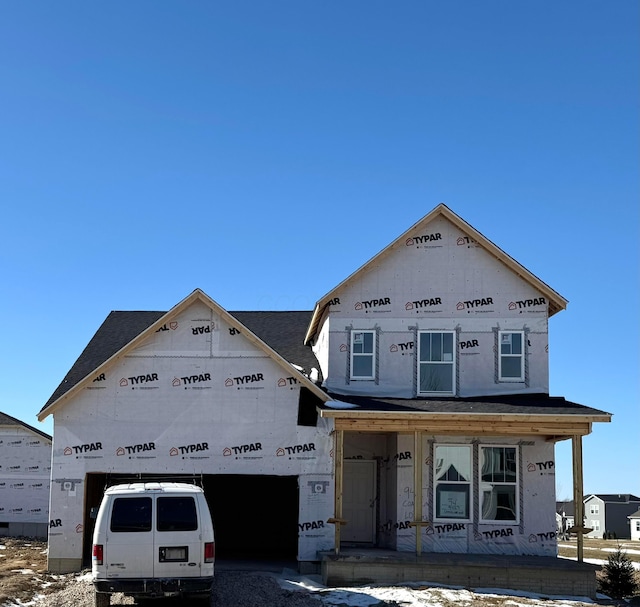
263,151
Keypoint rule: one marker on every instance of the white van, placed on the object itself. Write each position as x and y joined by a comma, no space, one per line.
153,540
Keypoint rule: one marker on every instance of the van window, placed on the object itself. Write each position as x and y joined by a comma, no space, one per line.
177,514
131,514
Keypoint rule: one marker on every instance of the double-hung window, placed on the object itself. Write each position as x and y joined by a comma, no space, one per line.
594,509
436,362
511,358
499,484
363,354
452,480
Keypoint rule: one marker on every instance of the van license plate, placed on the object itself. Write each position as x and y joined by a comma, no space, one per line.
174,554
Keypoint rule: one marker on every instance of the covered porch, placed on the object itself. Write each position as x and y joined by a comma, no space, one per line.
421,421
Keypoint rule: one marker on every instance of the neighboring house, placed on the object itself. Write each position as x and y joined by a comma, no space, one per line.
416,417
634,525
25,467
609,513
564,517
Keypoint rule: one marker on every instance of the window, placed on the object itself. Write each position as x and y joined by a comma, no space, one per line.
131,515
511,359
453,482
177,514
595,524
594,509
498,484
436,362
637,525
363,346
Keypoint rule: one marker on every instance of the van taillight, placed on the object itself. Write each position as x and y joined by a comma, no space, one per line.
97,554
209,552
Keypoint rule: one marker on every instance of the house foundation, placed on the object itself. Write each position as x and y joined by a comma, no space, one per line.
542,575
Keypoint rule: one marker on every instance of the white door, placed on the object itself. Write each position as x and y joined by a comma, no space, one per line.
129,549
178,545
359,501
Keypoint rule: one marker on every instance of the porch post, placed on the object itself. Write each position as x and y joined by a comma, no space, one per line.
578,504
338,458
417,489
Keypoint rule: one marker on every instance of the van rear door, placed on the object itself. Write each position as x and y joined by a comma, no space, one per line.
179,545
129,544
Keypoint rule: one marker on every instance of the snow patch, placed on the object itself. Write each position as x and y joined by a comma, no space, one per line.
338,404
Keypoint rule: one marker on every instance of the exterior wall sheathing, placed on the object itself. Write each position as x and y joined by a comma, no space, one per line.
196,398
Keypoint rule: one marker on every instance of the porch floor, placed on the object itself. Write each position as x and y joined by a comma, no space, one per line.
543,575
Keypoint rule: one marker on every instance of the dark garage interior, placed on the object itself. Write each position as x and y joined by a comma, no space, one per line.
255,517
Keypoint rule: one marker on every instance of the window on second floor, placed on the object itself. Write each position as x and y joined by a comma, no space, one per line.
511,356
436,362
363,354
594,509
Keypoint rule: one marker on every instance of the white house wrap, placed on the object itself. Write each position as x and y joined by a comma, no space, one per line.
421,377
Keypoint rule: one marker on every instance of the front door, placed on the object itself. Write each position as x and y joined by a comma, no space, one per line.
359,501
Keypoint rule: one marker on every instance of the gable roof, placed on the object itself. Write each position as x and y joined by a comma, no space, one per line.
122,331
614,498
556,301
566,508
636,514
7,420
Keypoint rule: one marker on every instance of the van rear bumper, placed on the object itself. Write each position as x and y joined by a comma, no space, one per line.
155,587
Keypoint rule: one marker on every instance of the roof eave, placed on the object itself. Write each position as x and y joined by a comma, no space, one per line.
557,303
554,427
196,295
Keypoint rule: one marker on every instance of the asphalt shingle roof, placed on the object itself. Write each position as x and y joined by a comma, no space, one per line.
7,420
282,331
617,498
525,404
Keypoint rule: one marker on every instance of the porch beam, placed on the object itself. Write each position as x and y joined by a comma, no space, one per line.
417,415
494,428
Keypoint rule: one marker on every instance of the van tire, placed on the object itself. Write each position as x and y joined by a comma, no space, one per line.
102,599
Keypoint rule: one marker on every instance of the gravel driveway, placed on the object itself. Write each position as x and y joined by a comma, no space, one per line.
232,589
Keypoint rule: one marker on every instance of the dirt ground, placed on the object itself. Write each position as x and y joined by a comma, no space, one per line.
599,549
23,574
23,565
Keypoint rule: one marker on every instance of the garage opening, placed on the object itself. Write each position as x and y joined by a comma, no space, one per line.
255,517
